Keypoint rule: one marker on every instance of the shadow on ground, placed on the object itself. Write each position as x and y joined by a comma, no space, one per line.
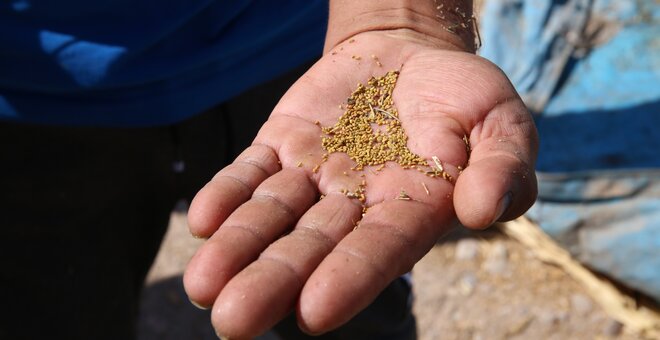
170,315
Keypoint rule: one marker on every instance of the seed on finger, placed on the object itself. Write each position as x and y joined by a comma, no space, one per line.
403,195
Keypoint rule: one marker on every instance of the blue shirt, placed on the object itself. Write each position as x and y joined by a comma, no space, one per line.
141,62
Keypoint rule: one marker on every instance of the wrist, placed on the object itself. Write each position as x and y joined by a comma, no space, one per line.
444,23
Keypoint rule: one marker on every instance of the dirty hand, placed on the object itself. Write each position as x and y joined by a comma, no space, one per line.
274,247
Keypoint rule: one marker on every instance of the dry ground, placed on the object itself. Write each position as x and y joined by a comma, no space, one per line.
469,286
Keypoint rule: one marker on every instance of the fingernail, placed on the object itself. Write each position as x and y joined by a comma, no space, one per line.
198,305
199,237
502,205
307,331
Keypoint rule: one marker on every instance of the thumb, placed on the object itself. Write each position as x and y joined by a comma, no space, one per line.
500,183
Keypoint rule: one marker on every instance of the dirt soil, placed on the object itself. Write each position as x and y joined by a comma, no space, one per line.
469,286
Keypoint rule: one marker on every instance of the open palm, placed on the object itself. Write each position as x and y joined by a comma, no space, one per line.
274,246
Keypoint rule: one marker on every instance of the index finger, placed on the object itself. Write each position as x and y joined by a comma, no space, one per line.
230,188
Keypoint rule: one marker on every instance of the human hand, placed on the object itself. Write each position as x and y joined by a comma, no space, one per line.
274,247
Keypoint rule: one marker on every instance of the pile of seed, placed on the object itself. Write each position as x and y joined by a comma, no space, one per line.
369,131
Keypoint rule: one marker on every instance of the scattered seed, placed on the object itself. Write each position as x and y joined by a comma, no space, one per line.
316,168
388,114
370,132
300,164
426,189
437,163
375,58
403,196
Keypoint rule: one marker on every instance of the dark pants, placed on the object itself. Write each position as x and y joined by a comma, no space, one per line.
83,212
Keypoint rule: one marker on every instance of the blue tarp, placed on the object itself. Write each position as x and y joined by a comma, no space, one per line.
589,70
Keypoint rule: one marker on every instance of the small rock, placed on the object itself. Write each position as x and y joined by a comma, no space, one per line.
581,304
497,262
550,319
467,283
486,288
563,316
496,267
467,249
612,328
519,326
499,251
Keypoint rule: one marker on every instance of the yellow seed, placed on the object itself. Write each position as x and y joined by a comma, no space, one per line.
437,163
369,131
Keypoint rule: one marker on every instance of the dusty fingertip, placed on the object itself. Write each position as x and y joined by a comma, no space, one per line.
481,217
197,286
195,220
306,329
308,322
502,206
217,323
230,318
